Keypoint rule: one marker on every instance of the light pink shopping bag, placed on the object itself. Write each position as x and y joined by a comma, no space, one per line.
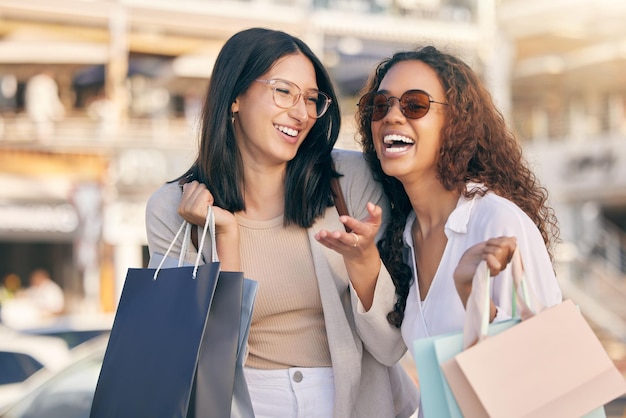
549,365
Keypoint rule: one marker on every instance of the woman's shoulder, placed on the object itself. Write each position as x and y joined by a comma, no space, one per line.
495,202
347,156
162,219
164,196
357,183
351,165
162,204
490,210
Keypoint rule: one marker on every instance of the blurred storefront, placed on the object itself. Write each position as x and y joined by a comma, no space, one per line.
51,216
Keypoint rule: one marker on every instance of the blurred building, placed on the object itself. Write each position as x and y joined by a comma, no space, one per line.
131,75
568,95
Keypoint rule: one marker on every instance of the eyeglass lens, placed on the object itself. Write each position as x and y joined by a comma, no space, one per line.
414,104
287,95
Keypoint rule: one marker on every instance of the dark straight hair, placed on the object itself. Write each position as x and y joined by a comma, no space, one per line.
244,57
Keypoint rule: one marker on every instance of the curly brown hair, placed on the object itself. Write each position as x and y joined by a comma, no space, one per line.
476,146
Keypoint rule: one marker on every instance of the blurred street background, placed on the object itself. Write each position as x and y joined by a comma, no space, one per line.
100,99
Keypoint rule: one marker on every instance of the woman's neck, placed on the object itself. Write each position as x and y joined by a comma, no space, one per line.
264,194
432,204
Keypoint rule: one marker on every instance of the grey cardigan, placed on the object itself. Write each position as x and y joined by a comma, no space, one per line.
364,347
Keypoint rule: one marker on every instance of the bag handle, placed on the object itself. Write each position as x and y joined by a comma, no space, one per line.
340,201
479,301
209,227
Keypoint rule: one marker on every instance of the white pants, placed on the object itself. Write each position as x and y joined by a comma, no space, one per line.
291,393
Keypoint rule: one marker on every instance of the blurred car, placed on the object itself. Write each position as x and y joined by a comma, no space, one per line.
65,393
23,355
74,329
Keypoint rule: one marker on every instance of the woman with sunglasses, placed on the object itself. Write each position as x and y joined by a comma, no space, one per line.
265,162
455,177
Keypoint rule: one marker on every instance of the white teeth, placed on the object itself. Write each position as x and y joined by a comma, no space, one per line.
391,139
286,130
392,150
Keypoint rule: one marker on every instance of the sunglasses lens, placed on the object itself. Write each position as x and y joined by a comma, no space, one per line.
365,104
380,106
415,104
373,105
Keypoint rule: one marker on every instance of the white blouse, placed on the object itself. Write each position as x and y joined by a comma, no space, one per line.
473,221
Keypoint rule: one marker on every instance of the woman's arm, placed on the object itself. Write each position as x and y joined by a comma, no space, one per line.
499,217
372,291
162,221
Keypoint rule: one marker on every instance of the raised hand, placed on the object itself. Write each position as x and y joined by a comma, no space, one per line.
359,251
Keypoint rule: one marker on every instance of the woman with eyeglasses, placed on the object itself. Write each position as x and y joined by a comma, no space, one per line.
266,162
455,177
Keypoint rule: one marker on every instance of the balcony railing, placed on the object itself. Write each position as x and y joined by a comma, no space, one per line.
595,278
78,130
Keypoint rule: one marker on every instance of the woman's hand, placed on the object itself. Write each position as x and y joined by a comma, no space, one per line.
497,252
194,205
358,250
193,208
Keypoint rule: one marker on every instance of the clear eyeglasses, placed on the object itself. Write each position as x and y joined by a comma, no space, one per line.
287,94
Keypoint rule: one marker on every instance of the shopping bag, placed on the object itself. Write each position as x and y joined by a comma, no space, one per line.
429,353
152,354
549,364
176,333
241,402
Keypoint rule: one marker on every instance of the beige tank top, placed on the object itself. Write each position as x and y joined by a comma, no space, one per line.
288,327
